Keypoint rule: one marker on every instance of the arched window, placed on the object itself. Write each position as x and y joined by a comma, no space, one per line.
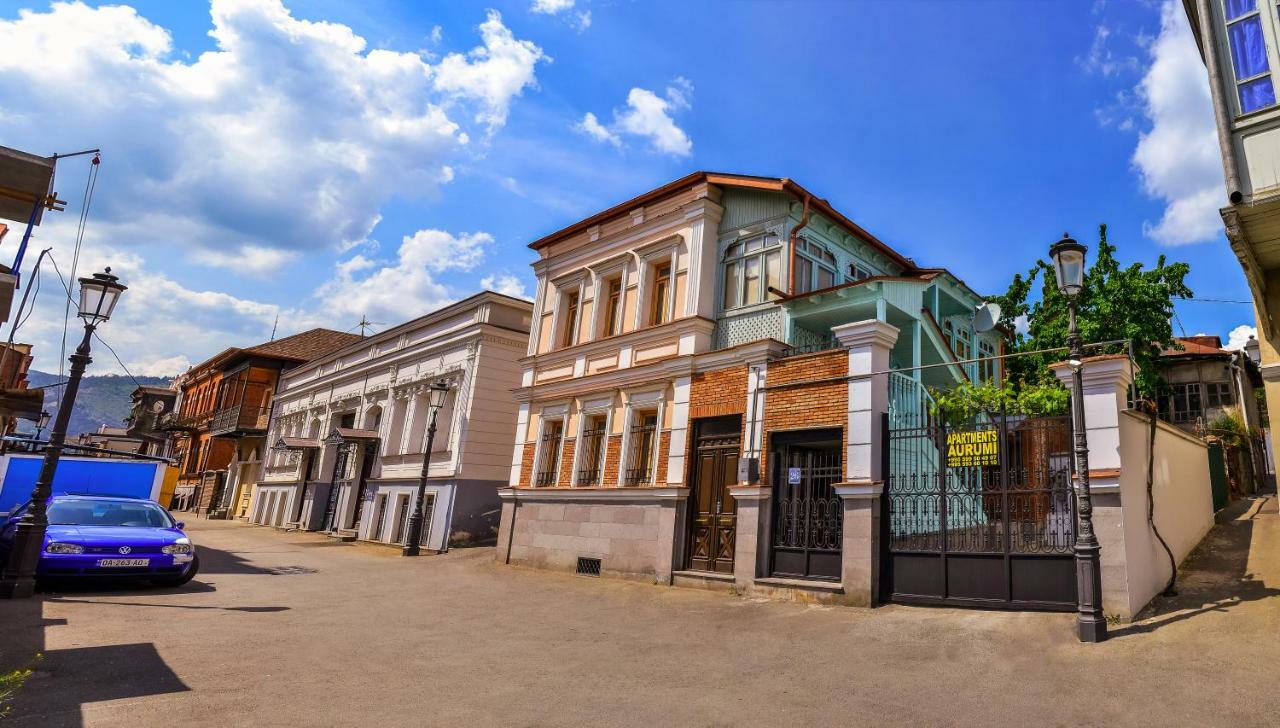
751,267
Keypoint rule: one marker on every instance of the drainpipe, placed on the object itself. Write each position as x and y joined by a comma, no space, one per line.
791,256
1219,94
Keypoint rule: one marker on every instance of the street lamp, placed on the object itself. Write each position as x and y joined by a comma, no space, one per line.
98,296
1068,265
42,423
435,400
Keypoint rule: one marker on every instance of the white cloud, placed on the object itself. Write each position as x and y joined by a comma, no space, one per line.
1240,335
551,7
583,20
647,116
1101,58
505,284
592,127
409,286
289,135
1177,159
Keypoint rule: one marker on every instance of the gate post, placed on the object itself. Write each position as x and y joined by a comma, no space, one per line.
868,343
1106,381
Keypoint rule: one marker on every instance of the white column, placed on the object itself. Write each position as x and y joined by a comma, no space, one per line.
1106,383
679,431
868,343
517,458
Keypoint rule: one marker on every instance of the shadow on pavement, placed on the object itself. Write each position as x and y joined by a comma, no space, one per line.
66,679
261,610
1214,578
216,561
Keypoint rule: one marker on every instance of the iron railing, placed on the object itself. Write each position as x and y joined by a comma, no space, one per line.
239,418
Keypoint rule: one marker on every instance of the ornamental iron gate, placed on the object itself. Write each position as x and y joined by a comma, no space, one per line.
981,515
808,516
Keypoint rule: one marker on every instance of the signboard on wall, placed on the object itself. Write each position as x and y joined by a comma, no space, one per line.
973,448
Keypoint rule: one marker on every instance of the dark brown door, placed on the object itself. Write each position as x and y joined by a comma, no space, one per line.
713,512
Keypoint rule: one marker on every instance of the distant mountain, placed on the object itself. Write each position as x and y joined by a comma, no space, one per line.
103,400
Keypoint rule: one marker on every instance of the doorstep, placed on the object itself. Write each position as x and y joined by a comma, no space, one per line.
799,590
343,534
701,579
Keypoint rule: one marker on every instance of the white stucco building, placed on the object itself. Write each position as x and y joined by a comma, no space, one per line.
348,431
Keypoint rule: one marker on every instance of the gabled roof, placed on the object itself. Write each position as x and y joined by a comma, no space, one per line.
776,184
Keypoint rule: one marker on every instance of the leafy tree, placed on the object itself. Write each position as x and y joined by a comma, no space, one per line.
1133,303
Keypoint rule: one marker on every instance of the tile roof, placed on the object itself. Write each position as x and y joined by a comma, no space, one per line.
305,346
1197,346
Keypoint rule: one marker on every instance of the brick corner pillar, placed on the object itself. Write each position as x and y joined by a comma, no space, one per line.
868,343
1105,381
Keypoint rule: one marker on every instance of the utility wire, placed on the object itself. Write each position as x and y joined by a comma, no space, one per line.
90,182
98,336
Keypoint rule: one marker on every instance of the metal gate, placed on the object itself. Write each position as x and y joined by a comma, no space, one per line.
808,516
982,515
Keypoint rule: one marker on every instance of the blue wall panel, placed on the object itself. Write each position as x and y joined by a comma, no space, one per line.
96,476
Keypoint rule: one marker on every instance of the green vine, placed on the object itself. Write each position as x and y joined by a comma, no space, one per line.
959,405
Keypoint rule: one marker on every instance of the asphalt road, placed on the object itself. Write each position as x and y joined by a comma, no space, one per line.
296,630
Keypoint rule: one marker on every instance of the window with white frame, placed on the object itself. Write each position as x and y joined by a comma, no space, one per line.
591,449
643,448
989,366
660,294
1247,45
570,309
751,268
815,266
858,272
1219,394
611,306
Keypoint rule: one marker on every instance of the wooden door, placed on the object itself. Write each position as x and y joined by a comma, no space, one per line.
713,513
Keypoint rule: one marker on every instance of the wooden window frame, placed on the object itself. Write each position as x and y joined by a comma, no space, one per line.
735,259
1268,20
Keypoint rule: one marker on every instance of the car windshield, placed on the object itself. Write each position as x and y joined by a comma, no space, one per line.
107,513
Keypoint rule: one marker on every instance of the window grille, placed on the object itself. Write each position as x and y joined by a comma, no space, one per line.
643,432
592,452
548,465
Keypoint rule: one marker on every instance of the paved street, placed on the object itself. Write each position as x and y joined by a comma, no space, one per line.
293,629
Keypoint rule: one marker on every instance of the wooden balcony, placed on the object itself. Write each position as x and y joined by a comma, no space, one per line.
182,422
239,420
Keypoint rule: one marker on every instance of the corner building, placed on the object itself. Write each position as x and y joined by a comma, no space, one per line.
706,379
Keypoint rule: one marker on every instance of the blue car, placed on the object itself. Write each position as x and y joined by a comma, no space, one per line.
96,536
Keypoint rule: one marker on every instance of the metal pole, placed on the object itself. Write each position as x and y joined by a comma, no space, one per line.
1090,622
411,546
18,579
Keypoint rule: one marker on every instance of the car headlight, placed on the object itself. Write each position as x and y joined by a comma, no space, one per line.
181,546
64,548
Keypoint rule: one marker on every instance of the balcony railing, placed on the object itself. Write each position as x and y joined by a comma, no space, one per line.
239,419
179,421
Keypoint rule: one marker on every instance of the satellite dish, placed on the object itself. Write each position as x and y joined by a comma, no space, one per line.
986,316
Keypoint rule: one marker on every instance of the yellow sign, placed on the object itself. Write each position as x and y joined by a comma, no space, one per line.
973,448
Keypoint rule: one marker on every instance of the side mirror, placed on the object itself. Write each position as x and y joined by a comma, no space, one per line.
180,525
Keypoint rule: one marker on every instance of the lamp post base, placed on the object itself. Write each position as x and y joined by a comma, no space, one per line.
412,545
17,589
1091,629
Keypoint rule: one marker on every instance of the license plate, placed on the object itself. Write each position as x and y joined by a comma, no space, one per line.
124,562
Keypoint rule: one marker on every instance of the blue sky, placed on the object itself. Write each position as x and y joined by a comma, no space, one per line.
328,160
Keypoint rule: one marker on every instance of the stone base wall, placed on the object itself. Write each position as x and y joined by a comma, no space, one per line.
633,539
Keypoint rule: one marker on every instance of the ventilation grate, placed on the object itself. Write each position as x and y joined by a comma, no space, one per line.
588,567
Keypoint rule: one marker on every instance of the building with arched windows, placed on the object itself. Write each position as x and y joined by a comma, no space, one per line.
348,435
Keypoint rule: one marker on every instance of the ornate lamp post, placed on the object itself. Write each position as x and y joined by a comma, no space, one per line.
1068,265
42,423
98,296
435,400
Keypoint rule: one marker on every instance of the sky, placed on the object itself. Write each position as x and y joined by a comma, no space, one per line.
283,164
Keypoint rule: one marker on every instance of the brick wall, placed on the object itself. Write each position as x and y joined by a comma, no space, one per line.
612,457
566,463
806,407
664,448
718,393
526,465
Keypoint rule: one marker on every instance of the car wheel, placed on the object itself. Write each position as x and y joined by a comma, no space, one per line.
172,581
